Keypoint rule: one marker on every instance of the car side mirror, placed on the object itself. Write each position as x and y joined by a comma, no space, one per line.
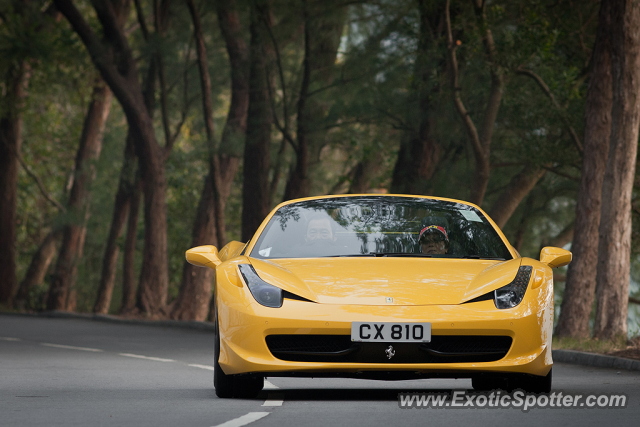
203,256
555,257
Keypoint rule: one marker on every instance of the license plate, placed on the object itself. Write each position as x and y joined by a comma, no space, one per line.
390,332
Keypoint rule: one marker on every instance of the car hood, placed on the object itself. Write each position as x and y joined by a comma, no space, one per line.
371,281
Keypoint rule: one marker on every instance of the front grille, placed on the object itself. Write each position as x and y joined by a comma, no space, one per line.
309,343
340,348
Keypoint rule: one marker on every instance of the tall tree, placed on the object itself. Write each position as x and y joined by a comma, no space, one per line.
419,151
114,58
614,246
127,200
515,192
16,70
37,269
364,172
323,26
192,302
480,138
129,280
78,206
16,79
207,110
121,208
257,159
580,286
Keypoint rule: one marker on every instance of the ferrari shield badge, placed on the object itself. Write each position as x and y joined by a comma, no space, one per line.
390,352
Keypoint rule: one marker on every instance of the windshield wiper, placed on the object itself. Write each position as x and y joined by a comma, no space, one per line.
352,255
384,254
482,257
409,254
417,255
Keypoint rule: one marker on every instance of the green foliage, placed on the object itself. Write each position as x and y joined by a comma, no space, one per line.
371,105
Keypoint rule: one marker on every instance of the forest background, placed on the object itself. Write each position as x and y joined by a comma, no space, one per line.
132,130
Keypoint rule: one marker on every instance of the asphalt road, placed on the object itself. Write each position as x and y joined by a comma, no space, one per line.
70,372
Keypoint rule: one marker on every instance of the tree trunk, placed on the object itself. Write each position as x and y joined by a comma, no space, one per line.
365,171
519,187
298,183
37,269
614,248
195,292
120,212
127,206
10,141
114,59
207,110
72,298
323,26
419,152
193,298
154,275
480,139
234,132
524,223
78,205
255,185
128,266
580,286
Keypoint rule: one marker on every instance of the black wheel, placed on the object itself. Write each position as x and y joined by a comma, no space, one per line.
533,383
232,385
488,383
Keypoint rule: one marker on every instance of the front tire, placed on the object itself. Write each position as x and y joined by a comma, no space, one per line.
228,386
222,382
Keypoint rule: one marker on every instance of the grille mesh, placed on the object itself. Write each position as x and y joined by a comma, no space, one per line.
340,348
309,343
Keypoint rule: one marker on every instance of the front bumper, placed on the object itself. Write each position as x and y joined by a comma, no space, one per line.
244,324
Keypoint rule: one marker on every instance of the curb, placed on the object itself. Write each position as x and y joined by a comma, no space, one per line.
184,324
593,359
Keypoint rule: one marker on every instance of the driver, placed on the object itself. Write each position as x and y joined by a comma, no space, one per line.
319,229
434,240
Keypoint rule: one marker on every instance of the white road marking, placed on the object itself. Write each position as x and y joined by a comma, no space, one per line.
71,347
10,339
137,356
268,385
244,420
274,399
207,367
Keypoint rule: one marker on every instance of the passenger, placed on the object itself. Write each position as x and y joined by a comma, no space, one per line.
319,229
434,240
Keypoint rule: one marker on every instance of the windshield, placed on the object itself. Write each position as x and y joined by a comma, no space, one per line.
379,226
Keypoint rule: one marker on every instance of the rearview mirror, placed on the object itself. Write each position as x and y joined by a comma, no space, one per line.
203,256
555,257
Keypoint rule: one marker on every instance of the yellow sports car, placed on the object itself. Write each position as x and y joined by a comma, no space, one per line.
381,287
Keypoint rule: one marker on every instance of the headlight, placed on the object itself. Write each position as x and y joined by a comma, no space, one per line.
511,295
266,294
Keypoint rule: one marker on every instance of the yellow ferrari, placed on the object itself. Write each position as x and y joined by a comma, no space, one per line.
385,287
